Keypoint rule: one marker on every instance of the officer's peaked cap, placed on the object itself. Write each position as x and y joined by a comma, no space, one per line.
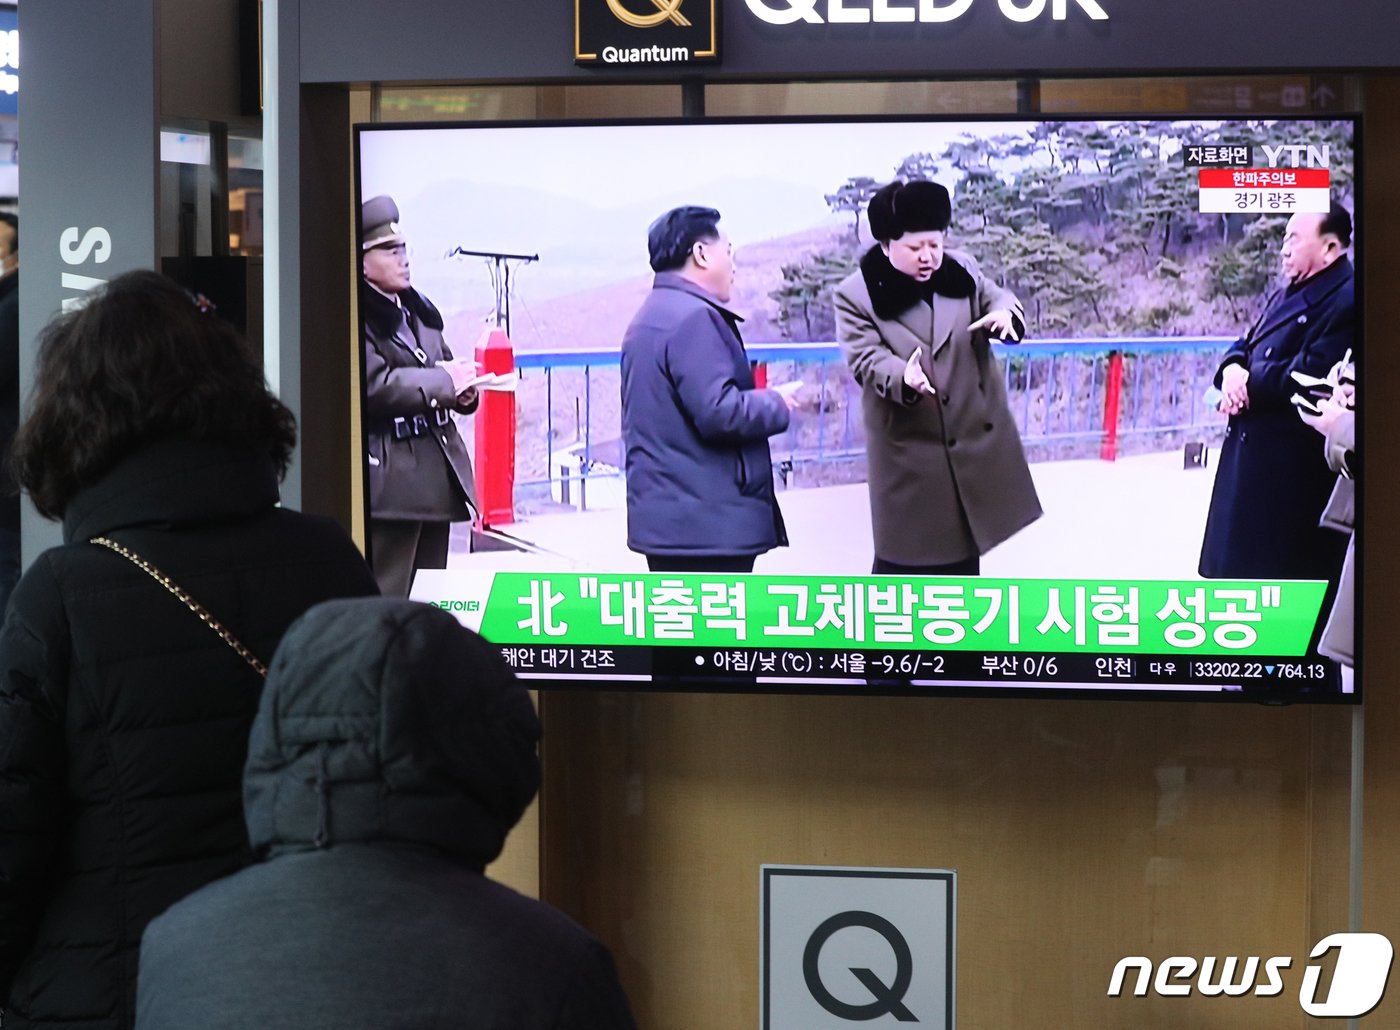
379,223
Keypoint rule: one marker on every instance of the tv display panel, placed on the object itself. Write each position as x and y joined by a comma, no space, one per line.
1139,258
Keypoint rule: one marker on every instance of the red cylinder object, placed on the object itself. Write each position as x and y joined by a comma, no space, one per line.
495,433
1112,396
760,375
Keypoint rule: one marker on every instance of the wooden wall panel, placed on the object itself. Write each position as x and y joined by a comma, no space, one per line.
1081,832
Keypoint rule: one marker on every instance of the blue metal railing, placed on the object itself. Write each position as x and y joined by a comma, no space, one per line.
1055,388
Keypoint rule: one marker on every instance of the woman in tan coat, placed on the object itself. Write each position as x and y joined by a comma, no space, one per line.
948,477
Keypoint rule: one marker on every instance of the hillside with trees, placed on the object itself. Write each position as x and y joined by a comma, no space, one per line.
1093,224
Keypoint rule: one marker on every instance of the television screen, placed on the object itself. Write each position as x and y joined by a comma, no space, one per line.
871,405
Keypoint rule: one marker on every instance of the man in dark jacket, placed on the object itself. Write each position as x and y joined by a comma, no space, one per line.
1273,483
392,752
700,493
420,475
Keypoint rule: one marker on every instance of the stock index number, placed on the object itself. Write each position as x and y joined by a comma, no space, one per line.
1229,670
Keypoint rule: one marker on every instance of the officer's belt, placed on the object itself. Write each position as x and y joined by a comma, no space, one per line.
404,427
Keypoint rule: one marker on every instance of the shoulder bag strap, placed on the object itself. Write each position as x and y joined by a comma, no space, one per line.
188,601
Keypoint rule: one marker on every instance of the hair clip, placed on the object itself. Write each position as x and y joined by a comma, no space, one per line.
199,300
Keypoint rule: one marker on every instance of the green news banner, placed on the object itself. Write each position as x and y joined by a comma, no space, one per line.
1150,617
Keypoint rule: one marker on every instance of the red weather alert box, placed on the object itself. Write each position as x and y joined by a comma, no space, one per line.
1282,191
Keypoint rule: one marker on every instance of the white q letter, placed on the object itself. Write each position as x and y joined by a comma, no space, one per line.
797,10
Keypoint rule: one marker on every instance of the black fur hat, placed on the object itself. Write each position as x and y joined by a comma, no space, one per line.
901,207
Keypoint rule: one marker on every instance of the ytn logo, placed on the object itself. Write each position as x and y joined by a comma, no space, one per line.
786,12
1358,980
1299,155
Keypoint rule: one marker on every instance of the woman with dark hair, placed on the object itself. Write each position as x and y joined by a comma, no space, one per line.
131,656
947,475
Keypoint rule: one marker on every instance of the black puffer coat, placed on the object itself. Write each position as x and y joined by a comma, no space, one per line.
124,720
392,753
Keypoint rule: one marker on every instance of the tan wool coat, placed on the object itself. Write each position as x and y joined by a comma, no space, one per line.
947,474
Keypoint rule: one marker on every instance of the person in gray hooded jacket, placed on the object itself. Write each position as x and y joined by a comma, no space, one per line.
392,752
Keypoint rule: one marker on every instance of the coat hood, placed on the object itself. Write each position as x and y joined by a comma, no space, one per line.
386,720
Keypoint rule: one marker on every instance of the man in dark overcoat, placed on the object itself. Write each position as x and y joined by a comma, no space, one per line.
947,474
420,474
700,494
1273,481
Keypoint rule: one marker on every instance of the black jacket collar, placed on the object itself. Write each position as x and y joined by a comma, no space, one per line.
892,292
171,484
382,315
1287,303
1325,281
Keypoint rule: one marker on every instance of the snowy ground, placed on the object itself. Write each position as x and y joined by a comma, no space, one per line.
1138,517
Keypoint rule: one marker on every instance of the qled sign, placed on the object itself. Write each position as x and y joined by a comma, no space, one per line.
646,32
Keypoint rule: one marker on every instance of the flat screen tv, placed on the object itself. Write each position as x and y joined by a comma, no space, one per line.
1108,488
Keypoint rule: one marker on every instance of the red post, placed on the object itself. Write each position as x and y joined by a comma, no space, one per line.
760,375
495,433
1112,394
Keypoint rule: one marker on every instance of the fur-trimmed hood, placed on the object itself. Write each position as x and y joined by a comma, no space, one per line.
382,314
892,292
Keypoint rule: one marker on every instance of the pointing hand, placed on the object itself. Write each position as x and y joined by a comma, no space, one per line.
999,322
914,375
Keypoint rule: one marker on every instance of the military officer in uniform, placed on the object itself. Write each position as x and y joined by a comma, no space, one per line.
420,475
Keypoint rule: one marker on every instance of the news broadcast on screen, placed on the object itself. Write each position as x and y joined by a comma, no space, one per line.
924,405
